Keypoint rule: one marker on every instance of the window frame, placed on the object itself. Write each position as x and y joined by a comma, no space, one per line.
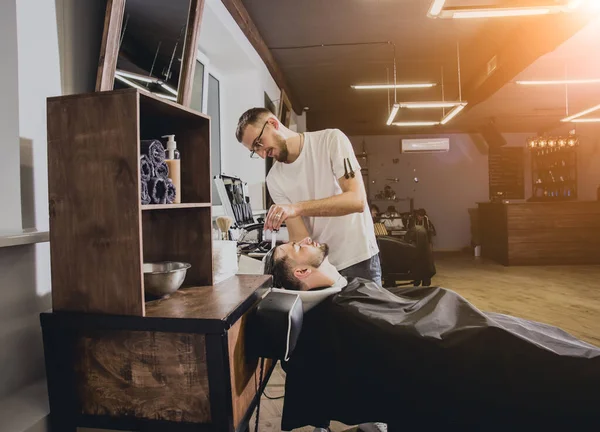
216,74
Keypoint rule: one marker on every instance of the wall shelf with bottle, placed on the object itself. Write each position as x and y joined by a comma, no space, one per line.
103,231
554,168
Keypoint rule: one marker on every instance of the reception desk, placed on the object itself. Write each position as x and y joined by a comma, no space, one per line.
541,233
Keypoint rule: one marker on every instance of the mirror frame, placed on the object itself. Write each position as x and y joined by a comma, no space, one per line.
284,102
109,50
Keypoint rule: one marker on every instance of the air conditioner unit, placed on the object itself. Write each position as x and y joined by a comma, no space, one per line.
425,145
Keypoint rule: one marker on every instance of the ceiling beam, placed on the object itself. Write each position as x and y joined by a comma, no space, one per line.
241,16
529,42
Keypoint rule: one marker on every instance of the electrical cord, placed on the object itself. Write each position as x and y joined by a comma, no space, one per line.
273,398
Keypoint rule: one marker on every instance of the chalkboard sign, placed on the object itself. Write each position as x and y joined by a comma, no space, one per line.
506,173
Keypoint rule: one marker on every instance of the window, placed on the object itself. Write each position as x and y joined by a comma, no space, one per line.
198,87
214,111
206,98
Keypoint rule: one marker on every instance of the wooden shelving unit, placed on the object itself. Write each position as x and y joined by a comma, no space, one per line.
100,233
554,173
506,166
174,206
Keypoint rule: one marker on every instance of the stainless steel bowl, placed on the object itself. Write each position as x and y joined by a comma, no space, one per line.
163,278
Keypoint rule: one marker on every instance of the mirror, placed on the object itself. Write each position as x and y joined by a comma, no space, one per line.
150,45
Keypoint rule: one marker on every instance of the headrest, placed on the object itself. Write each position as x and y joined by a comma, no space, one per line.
274,326
310,298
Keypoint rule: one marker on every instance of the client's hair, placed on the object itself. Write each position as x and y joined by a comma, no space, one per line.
283,276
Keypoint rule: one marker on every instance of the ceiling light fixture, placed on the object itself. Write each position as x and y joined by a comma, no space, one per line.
498,12
453,113
580,114
586,120
559,82
393,113
457,106
430,104
416,123
392,86
437,10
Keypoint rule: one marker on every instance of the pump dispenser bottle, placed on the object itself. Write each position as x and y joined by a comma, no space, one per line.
174,163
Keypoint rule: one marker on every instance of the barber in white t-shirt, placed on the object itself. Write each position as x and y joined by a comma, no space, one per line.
317,189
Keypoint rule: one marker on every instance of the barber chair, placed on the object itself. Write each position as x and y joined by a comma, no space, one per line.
397,261
236,204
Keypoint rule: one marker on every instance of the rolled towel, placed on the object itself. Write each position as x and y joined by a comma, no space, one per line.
155,151
171,191
146,168
157,188
161,170
145,195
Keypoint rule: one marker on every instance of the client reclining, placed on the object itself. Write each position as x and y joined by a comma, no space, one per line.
426,358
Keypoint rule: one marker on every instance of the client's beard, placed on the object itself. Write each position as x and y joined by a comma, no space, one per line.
318,260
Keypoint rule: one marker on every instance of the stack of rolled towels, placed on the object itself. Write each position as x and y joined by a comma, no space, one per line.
157,187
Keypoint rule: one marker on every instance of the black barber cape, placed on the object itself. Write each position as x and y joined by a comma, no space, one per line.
426,358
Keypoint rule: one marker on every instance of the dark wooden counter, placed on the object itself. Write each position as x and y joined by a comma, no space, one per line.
541,233
182,367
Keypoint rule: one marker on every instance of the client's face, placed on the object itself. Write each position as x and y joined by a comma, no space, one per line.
305,252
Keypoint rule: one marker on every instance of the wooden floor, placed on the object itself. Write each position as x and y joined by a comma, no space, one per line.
563,296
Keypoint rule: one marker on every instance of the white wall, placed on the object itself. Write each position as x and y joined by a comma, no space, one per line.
49,48
449,183
244,80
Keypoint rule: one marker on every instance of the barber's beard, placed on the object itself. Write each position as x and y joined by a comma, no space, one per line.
283,154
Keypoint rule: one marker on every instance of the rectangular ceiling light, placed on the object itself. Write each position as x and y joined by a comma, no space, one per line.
559,82
430,104
453,113
416,123
498,12
436,7
437,10
393,114
586,120
580,114
391,86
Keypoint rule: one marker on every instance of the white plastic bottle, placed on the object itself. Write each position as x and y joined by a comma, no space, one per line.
174,167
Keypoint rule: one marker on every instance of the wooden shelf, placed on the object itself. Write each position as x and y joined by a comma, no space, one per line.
100,233
174,206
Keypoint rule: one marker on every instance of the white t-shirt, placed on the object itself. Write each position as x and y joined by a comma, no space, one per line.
313,176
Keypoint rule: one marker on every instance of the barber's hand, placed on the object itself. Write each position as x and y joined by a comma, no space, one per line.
278,214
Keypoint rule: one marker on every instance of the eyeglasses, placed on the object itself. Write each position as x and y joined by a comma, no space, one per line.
256,144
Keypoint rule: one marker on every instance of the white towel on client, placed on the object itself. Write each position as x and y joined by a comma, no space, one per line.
313,297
